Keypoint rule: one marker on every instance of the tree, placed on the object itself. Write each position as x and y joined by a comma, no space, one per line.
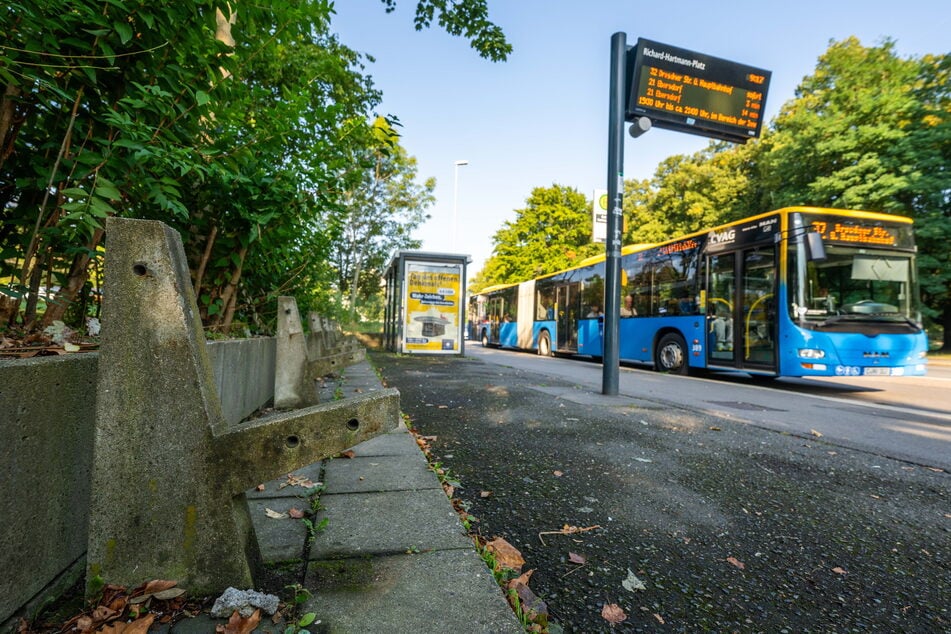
551,233
870,130
380,210
468,18
235,123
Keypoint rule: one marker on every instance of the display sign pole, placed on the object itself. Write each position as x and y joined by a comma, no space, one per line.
612,263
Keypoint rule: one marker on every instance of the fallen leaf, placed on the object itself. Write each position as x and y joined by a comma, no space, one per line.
521,579
260,487
294,480
296,513
449,489
138,626
815,433
237,624
443,407
558,474
484,494
736,562
506,555
612,613
168,595
839,571
632,583
349,453
274,514
576,558
715,428
158,585
659,618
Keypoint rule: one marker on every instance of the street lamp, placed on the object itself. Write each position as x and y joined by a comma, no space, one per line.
455,199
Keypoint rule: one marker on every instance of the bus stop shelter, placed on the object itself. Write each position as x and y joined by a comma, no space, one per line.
425,312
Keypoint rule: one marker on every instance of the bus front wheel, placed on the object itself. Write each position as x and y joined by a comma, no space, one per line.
544,345
671,354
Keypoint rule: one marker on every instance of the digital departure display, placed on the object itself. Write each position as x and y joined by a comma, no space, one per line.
855,232
686,91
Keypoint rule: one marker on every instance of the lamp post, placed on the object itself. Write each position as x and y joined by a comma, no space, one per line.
455,199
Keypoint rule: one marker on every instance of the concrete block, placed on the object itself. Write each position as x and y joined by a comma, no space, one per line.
168,470
444,591
386,523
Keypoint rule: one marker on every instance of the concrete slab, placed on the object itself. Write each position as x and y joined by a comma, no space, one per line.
378,473
279,540
396,443
276,489
445,591
363,524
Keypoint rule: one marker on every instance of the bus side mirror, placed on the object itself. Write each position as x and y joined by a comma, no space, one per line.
816,250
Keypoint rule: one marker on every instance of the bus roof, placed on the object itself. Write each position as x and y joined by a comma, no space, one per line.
634,248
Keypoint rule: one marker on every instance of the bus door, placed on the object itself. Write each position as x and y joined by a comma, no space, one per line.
757,309
721,303
741,309
568,310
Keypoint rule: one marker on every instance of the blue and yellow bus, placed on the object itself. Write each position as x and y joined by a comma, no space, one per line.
801,291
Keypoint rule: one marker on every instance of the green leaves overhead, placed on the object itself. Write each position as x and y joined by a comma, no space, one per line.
551,233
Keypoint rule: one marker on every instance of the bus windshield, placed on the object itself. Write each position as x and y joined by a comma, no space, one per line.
853,285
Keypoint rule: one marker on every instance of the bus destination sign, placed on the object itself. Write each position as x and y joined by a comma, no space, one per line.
689,92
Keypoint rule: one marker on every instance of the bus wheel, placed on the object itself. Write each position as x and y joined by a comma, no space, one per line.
544,345
671,354
485,339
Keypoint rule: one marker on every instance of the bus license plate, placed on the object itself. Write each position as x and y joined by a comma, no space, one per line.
877,371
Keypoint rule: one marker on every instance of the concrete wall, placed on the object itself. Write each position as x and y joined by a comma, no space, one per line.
47,410
244,374
47,422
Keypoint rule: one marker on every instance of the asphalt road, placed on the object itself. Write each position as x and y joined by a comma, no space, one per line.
724,500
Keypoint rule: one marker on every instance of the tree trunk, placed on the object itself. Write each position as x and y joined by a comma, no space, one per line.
78,275
9,126
946,325
230,289
200,274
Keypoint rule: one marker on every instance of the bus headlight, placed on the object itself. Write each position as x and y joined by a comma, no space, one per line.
811,353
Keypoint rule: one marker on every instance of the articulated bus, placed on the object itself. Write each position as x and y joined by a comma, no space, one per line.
797,292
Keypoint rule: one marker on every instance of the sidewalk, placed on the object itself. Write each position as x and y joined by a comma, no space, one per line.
394,556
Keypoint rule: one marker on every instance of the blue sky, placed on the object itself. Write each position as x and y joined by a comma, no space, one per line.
541,117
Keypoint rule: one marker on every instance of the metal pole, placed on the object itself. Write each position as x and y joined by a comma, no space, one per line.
612,262
455,200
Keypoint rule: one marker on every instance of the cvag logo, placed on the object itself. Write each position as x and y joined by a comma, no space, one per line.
722,237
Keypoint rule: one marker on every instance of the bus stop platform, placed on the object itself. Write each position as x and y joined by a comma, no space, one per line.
392,555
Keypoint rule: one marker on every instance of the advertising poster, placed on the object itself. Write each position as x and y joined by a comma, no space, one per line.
433,301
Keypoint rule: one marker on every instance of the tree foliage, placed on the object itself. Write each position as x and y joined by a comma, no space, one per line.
381,208
551,233
237,123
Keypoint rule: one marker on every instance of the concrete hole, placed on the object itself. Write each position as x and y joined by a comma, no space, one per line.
292,441
140,269
353,424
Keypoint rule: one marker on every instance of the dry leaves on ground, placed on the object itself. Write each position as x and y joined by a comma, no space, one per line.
612,613
238,624
736,562
506,555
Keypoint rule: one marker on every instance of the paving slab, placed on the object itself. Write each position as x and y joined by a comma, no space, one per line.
398,442
279,540
383,523
378,473
279,488
443,591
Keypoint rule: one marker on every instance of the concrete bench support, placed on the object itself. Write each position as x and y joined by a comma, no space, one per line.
168,472
303,360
